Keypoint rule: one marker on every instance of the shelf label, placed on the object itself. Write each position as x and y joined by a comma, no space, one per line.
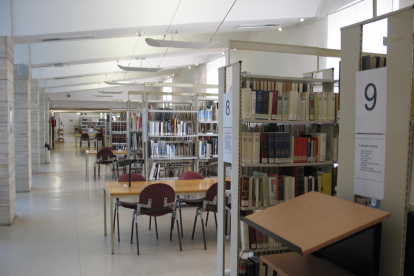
227,127
370,129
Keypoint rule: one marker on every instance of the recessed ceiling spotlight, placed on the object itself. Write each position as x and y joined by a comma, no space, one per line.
196,64
173,75
280,29
235,49
222,53
302,19
189,67
168,76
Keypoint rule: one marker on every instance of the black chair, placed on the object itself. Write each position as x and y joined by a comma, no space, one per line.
85,137
105,157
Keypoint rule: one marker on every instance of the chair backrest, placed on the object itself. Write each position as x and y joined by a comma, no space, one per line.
85,136
99,135
157,192
212,191
134,177
106,154
190,175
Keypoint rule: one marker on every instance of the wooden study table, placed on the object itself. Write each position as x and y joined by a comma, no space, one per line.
80,135
118,190
309,223
89,152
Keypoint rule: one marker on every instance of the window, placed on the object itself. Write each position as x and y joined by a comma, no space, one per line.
372,33
167,89
212,73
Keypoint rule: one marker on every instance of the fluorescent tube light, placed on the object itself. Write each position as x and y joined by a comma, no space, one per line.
70,77
49,39
257,26
102,96
178,44
122,83
109,92
140,69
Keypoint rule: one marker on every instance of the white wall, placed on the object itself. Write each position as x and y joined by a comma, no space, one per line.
68,124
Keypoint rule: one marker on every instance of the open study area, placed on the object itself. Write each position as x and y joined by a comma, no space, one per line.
233,137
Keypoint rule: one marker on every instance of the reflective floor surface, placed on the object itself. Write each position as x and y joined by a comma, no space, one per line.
59,230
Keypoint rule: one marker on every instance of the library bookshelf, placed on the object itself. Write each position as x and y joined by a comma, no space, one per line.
231,157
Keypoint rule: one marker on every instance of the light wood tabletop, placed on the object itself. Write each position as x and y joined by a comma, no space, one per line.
292,264
179,186
314,220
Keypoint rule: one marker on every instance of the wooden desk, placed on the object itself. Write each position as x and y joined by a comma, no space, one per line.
117,190
88,152
314,220
79,135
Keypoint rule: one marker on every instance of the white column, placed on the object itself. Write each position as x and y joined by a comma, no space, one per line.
42,125
35,126
7,170
22,129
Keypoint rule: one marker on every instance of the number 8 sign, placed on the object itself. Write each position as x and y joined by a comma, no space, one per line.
371,101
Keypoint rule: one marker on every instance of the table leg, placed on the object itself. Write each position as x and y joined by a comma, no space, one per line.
87,166
112,229
76,141
104,204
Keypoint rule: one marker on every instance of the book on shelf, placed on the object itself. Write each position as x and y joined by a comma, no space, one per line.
119,127
166,149
173,127
373,62
208,113
284,147
136,122
294,102
208,148
264,189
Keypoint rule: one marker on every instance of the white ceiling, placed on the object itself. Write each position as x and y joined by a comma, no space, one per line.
114,23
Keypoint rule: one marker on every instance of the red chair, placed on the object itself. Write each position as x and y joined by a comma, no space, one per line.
187,176
156,200
207,203
190,175
105,157
85,137
128,205
99,137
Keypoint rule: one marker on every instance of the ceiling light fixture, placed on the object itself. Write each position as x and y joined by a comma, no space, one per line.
140,69
103,96
222,53
49,39
280,29
178,44
70,77
109,92
302,19
257,26
196,64
189,67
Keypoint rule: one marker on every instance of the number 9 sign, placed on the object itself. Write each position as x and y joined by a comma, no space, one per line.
370,100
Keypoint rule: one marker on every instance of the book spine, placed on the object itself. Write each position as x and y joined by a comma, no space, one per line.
274,105
256,148
259,104
253,111
285,106
271,143
311,107
264,148
279,107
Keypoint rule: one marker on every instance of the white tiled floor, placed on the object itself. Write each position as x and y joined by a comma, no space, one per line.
59,230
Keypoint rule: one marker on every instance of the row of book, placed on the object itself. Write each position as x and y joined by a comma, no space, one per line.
136,122
119,126
169,114
119,138
173,127
208,128
267,189
208,148
208,113
135,142
165,149
283,147
372,62
159,170
253,266
289,106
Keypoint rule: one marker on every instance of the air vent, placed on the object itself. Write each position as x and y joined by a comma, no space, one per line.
50,39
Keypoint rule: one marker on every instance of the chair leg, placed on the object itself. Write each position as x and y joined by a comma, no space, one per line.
150,224
195,222
171,226
204,234
113,227
117,220
179,238
132,230
181,222
99,170
94,172
136,231
156,227
89,144
208,212
215,218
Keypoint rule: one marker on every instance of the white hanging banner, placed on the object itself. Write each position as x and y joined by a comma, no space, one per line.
227,127
370,127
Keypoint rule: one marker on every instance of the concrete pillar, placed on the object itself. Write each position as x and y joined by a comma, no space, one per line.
35,126
22,130
42,125
7,170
